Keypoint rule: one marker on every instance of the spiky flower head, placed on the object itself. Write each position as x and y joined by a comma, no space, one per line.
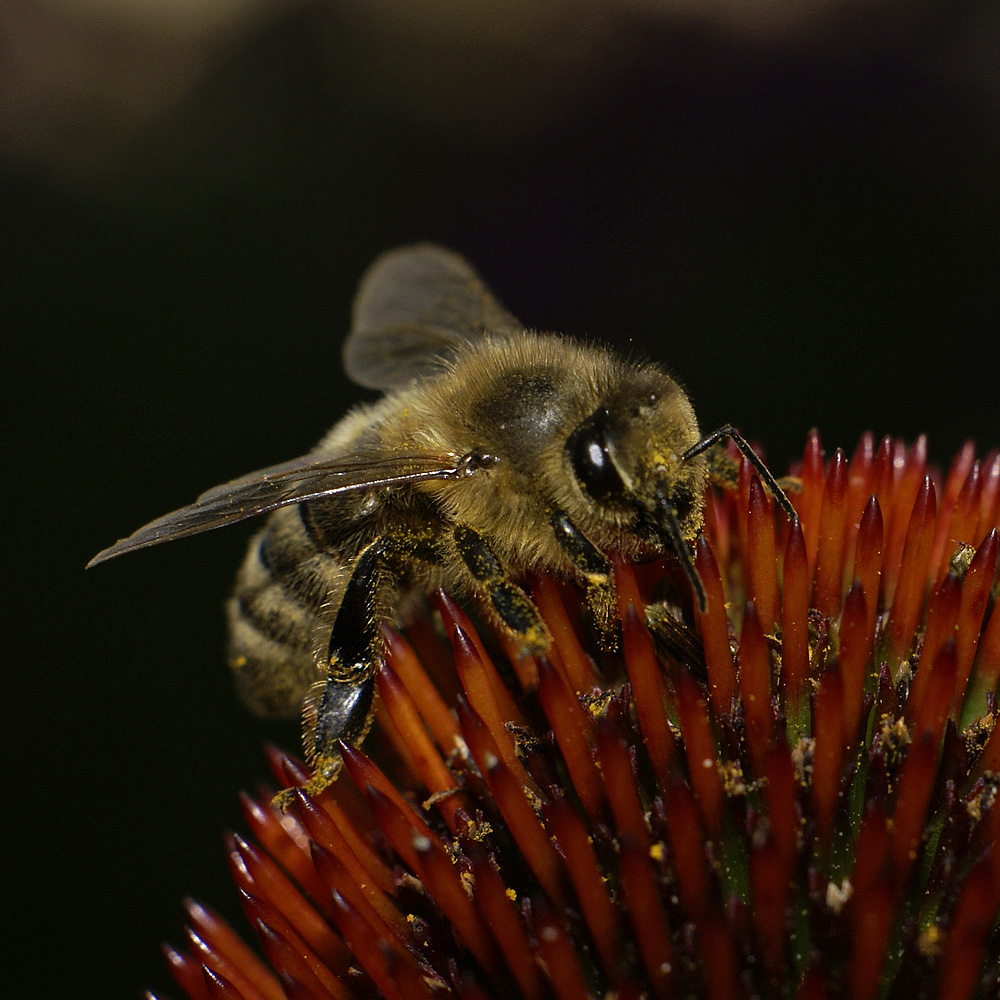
791,795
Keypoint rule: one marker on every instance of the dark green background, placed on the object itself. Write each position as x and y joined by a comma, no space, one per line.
805,232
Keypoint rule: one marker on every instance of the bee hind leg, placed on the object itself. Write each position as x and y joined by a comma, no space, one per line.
340,708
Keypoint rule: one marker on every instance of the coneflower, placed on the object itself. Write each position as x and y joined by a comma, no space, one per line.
793,794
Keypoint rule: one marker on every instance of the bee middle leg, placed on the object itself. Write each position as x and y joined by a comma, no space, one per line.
595,572
510,603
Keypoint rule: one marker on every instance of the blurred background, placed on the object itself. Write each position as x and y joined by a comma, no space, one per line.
793,205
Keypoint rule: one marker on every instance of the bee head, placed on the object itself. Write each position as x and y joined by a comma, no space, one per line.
627,459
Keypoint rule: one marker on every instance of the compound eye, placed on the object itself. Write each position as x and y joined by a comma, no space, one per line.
587,448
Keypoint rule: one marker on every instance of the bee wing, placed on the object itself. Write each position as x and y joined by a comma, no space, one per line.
291,482
414,306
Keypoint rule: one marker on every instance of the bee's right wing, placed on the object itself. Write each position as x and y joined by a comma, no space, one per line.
414,306
301,479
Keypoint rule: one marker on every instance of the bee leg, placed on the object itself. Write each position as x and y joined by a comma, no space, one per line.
595,572
674,639
725,472
340,709
510,603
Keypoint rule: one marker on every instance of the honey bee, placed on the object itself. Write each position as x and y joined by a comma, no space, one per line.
495,451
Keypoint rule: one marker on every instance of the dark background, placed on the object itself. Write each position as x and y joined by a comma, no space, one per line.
802,225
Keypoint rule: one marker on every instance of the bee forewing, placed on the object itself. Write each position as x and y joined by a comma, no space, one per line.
306,478
414,306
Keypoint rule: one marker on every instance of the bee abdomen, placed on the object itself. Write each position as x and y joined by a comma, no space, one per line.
289,557
274,616
272,678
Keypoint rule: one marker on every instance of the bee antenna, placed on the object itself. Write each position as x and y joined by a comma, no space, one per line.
728,431
667,519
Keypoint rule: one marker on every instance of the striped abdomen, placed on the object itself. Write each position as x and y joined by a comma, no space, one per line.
282,607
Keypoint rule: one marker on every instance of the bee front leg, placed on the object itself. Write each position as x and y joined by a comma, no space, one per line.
340,708
595,572
512,605
670,634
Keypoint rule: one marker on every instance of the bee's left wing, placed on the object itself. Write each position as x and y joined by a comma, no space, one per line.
414,307
291,482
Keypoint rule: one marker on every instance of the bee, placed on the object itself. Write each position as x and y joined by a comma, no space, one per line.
495,452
